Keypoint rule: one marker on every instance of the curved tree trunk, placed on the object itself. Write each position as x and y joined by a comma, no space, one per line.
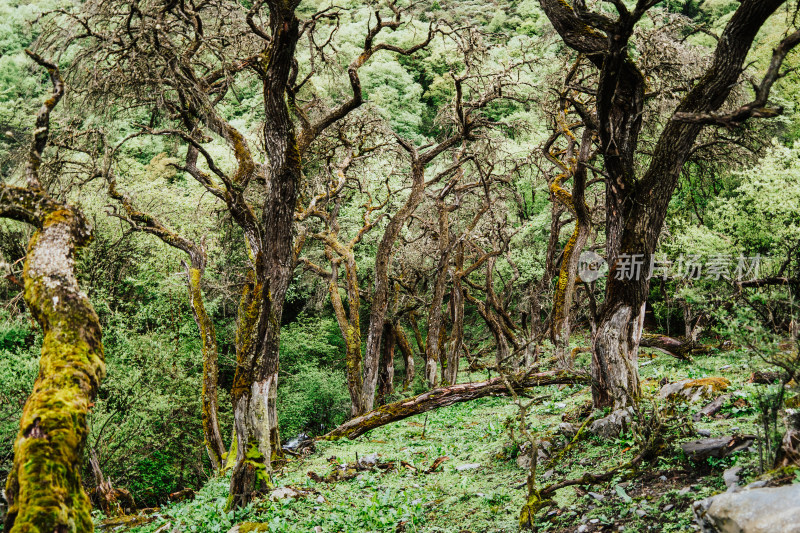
636,206
457,312
144,222
380,293
213,437
408,355
44,487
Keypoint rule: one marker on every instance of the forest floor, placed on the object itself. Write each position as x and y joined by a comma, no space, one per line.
479,487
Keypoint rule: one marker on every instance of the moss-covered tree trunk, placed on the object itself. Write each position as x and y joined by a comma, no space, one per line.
44,489
445,396
408,354
212,435
450,376
386,374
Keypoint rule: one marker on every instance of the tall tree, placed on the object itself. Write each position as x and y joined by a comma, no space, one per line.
636,202
184,58
44,487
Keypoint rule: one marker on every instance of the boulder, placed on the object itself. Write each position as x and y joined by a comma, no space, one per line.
761,510
693,390
611,426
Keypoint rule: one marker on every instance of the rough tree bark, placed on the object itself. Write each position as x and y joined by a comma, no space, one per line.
575,203
457,319
44,489
408,354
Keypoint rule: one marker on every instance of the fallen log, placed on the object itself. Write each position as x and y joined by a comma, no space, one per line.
675,347
445,396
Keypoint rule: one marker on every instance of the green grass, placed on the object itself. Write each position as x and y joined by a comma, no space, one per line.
489,498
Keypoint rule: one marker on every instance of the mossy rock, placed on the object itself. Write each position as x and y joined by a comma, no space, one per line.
693,390
249,527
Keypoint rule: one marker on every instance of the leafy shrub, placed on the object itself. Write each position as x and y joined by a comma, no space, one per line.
311,341
312,400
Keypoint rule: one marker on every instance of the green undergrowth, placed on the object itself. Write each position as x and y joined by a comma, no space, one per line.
488,498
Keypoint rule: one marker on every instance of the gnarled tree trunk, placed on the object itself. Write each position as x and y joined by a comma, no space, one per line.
44,489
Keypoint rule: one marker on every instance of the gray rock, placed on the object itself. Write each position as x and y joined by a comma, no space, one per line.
611,426
582,529
524,461
684,491
704,432
369,460
668,507
756,484
762,510
641,513
548,474
693,390
597,496
281,493
567,429
731,476
469,466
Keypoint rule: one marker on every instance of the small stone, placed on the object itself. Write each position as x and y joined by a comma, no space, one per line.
668,508
567,429
582,529
320,499
282,493
731,476
468,466
684,491
594,521
662,478
561,405
597,496
641,513
548,474
480,494
704,432
756,484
